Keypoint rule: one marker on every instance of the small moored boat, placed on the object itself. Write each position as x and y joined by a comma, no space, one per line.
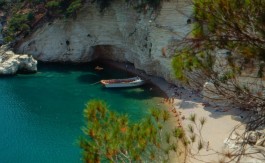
99,68
118,83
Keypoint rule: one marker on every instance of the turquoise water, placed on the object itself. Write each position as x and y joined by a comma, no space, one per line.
41,114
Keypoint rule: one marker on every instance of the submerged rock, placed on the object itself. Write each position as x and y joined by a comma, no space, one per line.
11,63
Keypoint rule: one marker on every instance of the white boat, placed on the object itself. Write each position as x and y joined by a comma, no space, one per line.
119,83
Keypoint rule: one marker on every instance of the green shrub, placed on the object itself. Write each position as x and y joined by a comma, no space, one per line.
15,22
24,27
53,4
73,7
8,39
30,16
111,137
2,4
197,31
185,61
18,23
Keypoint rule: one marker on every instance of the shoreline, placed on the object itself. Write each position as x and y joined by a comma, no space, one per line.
218,126
174,120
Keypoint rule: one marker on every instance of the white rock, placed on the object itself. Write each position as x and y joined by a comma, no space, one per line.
16,62
231,144
261,142
260,149
211,95
234,136
240,141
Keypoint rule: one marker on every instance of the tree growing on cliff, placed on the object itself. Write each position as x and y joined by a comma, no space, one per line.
110,136
17,24
226,49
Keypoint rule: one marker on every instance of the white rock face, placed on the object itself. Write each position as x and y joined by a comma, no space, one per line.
10,63
248,77
122,34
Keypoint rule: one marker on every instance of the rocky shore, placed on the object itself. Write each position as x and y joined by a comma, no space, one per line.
11,63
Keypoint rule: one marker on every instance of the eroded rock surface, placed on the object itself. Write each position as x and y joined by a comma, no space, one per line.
11,63
120,33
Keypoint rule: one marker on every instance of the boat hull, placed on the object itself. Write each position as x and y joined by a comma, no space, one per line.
120,83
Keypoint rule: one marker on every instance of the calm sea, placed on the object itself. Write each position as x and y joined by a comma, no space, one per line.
41,114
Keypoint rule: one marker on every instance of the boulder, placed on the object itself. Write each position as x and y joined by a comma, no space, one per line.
11,63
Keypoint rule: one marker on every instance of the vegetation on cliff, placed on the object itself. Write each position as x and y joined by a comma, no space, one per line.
21,17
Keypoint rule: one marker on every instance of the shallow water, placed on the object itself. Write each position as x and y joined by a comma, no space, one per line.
41,114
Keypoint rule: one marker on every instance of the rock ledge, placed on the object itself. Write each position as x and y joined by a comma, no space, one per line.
11,63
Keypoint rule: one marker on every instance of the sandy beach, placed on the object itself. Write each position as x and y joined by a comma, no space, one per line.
219,122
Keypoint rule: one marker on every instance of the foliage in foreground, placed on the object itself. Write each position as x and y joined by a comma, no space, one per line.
226,48
236,26
110,136
227,42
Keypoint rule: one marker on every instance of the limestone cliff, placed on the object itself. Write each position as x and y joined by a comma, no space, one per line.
120,33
